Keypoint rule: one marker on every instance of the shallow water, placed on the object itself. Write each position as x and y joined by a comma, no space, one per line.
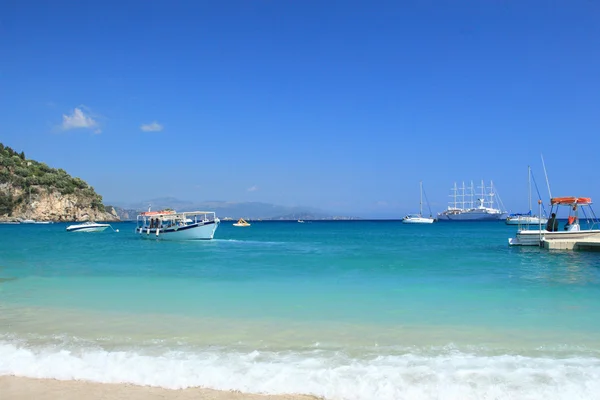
345,310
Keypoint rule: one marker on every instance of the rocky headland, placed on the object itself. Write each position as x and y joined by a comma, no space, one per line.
33,190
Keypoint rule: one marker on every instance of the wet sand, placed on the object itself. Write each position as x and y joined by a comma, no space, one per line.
16,388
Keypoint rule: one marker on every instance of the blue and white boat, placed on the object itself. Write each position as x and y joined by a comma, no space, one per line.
170,225
88,226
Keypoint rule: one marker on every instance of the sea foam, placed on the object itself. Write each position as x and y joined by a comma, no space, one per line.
327,373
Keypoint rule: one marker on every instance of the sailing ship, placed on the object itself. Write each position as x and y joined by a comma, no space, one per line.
467,207
419,218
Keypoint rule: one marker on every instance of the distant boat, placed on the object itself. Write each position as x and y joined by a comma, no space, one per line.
301,221
242,222
33,221
463,208
527,218
89,226
419,218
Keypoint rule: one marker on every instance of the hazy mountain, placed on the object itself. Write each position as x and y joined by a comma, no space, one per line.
227,209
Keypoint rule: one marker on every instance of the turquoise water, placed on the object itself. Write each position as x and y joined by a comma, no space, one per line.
344,310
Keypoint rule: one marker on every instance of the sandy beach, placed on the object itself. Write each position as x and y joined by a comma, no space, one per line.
16,388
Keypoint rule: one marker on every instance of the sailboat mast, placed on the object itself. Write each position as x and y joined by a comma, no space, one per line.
547,182
529,185
421,199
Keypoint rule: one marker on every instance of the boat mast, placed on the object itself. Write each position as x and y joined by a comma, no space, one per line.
529,186
455,190
482,200
547,182
421,199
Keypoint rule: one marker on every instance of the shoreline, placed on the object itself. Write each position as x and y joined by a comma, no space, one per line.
20,388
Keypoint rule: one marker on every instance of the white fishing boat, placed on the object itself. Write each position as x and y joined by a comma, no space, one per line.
419,218
465,207
88,226
526,218
171,225
242,222
573,230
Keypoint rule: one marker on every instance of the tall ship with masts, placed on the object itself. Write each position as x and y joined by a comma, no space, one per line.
469,204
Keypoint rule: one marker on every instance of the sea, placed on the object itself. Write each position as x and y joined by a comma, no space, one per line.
335,309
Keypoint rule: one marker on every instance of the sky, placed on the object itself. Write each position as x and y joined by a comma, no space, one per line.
341,105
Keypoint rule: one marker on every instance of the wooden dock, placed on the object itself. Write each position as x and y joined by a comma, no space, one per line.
591,244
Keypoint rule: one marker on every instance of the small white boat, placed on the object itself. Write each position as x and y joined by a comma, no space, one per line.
28,221
419,218
170,225
242,222
89,226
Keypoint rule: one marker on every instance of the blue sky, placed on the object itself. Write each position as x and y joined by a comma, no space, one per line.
340,105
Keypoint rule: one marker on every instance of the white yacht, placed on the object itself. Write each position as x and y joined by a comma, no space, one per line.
466,207
170,225
88,226
419,218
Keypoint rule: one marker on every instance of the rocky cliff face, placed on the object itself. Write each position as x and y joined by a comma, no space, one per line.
33,190
50,205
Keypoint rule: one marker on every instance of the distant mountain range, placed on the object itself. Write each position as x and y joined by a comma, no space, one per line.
226,209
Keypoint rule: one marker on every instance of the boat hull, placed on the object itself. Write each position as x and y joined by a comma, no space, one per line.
418,220
533,237
471,215
198,231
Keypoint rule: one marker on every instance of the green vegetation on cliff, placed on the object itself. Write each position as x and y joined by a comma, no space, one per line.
29,175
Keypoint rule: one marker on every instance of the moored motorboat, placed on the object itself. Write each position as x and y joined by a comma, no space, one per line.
170,225
573,230
88,226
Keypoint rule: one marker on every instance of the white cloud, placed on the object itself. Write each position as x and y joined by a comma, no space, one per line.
79,120
153,127
253,188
